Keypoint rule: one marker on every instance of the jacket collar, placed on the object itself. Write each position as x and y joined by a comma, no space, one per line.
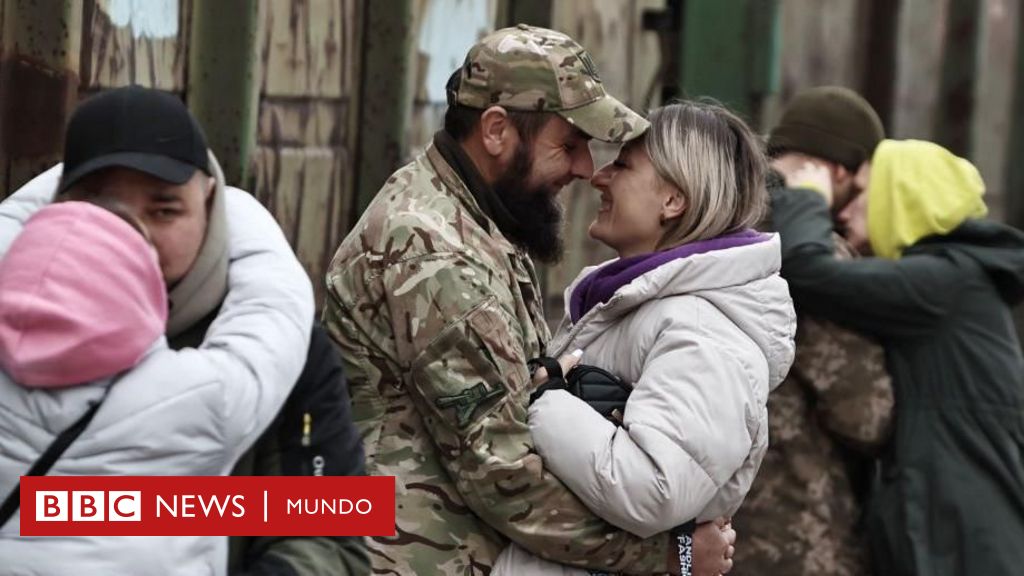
460,190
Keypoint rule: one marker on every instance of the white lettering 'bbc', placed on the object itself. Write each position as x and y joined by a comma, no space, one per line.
124,506
51,506
88,506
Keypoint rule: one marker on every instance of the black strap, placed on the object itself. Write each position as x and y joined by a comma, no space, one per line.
46,461
683,535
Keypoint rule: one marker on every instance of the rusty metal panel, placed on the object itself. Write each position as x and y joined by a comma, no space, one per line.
309,48
223,89
136,43
39,75
384,94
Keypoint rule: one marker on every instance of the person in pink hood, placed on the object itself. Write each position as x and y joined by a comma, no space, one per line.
83,312
81,298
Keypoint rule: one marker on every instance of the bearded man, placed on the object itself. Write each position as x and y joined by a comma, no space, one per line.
435,304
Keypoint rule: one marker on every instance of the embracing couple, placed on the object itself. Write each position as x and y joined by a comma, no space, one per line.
501,467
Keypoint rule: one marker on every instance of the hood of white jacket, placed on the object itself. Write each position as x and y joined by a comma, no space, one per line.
742,282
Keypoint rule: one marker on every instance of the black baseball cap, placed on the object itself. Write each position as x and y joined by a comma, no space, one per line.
134,127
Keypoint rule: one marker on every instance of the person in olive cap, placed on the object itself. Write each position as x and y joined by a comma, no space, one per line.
830,126
833,412
436,304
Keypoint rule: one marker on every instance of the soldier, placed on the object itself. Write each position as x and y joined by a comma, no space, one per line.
435,302
834,410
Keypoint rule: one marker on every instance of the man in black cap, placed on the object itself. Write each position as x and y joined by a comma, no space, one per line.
143,148
834,410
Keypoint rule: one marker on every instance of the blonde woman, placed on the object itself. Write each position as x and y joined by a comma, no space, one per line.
692,314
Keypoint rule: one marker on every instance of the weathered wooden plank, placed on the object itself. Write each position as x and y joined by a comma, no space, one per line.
309,46
137,43
610,31
606,28
994,94
304,189
956,98
647,60
532,12
821,44
300,122
1015,150
878,85
918,65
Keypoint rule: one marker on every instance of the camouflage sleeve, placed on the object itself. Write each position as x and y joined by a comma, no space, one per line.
847,375
307,556
464,352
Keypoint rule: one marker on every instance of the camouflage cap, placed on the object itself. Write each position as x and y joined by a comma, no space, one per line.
538,70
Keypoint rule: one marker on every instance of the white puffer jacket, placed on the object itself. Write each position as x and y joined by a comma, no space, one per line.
187,412
703,340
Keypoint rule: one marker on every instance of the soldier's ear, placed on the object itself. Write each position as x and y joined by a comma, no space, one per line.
496,131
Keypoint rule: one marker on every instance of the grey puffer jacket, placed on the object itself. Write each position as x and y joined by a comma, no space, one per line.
702,339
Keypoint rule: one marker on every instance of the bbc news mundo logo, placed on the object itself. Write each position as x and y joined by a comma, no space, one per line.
207,506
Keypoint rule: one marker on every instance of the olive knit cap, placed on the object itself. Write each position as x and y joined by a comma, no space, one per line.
829,122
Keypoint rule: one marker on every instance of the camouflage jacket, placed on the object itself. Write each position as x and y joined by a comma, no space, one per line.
436,314
826,420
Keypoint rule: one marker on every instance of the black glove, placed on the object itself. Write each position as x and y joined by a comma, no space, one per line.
602,390
555,380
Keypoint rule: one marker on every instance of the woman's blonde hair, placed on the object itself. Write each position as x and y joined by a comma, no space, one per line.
718,164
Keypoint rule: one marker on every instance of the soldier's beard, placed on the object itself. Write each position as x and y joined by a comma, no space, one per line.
536,209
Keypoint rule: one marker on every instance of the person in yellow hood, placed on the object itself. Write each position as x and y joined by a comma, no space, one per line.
949,495
916,189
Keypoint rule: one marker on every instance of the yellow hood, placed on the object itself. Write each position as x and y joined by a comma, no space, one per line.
918,189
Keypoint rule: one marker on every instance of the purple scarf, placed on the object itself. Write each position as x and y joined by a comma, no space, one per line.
602,283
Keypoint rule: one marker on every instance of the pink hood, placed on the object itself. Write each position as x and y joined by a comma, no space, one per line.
81,297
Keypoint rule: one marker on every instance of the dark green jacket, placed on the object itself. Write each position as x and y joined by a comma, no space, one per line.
949,499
